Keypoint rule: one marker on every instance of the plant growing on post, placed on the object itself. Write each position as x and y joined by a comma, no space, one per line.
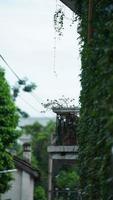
62,102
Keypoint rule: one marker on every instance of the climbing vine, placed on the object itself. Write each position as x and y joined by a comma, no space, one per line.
95,135
96,114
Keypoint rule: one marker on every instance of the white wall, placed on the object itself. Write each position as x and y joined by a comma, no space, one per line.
27,187
22,187
14,192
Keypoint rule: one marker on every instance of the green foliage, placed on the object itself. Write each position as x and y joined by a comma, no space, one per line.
58,21
32,129
40,193
59,103
8,134
29,87
40,140
22,113
40,143
67,179
96,115
22,85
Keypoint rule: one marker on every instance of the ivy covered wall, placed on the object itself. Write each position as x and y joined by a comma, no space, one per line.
96,115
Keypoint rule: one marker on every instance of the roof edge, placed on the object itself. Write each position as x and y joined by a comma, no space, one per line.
26,166
70,4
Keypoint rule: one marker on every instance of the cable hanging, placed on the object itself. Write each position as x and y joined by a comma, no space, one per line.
26,102
17,76
10,67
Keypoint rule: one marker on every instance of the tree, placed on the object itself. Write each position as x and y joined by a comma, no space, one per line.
40,140
22,85
40,193
40,144
66,183
8,134
67,179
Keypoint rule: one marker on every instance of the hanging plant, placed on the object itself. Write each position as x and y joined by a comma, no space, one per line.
59,21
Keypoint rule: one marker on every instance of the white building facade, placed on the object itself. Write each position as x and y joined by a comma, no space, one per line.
22,186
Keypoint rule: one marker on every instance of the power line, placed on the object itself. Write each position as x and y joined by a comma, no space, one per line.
26,102
17,76
10,67
36,98
30,105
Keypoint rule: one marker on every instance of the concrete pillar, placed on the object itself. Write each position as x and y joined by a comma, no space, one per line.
27,152
50,170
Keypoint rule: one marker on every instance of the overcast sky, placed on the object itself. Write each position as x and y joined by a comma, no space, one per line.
27,41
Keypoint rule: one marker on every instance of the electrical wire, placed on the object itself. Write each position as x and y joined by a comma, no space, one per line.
26,102
10,67
17,76
36,98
